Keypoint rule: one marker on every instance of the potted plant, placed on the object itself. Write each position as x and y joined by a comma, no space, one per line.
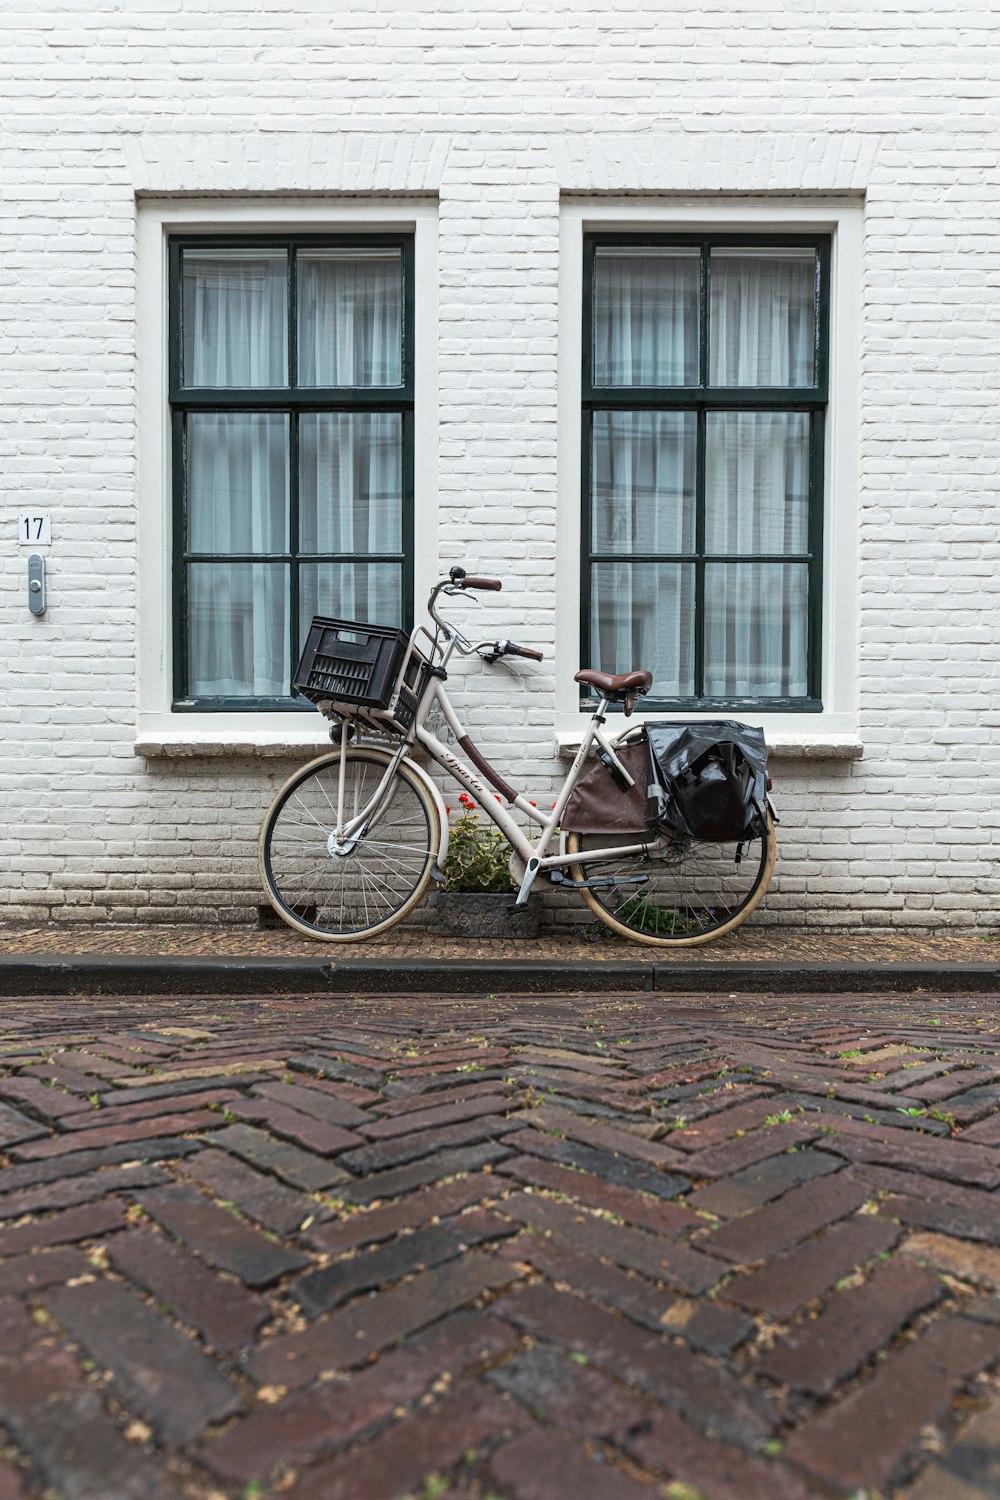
477,894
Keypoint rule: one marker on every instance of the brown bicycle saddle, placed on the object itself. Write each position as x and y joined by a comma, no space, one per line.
617,686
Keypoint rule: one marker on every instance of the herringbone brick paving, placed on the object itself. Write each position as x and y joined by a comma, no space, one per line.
742,1248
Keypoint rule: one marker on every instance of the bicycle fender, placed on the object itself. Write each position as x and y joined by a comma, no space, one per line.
432,788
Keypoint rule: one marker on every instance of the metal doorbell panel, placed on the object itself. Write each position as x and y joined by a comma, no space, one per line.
36,583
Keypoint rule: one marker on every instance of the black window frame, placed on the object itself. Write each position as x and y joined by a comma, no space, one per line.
292,400
703,398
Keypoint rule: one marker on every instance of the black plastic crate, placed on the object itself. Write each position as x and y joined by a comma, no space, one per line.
411,690
351,663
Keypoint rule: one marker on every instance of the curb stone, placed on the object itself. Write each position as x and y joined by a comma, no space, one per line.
126,975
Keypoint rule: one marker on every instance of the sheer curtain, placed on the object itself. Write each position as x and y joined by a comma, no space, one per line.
645,334
235,336
762,321
350,318
644,501
350,335
235,318
350,500
646,317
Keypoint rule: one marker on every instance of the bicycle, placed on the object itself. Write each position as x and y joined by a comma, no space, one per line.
353,839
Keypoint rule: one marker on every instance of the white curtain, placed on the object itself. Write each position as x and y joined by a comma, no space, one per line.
756,501
350,500
756,485
646,317
237,502
761,333
237,463
645,334
644,501
762,317
350,318
235,318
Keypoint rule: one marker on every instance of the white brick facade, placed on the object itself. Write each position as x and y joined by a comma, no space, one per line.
496,122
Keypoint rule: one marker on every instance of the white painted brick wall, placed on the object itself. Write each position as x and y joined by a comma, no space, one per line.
496,109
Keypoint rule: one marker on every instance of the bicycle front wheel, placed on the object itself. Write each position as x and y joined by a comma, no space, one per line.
682,892
341,892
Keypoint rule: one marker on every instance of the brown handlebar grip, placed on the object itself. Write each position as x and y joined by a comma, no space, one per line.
528,651
471,582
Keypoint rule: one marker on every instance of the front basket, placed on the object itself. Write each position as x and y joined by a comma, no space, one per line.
362,670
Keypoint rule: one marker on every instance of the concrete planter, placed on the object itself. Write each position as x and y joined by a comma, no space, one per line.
473,914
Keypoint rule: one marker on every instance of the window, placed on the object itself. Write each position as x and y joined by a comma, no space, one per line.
705,372
291,395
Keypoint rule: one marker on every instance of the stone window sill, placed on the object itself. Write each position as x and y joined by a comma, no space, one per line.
267,743
779,746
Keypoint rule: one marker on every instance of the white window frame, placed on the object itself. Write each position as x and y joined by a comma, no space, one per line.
159,730
834,730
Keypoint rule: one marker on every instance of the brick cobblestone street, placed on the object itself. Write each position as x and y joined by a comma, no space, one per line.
737,1248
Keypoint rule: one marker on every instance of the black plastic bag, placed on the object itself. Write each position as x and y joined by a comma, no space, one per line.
707,780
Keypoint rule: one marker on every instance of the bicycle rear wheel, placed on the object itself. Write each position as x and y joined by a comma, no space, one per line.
682,892
341,893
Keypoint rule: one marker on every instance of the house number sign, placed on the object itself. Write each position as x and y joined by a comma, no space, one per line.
34,528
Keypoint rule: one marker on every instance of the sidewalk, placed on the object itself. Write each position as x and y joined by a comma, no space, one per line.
65,959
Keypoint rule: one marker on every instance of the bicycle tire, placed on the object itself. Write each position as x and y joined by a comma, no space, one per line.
340,897
672,919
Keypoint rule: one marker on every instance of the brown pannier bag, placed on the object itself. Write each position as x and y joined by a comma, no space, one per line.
598,805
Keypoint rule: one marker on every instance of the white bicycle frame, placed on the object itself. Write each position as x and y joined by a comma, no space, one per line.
535,855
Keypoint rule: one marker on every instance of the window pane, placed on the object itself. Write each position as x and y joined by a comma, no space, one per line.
643,481
237,482
351,482
235,318
351,591
756,629
238,630
757,481
350,317
646,317
763,317
642,616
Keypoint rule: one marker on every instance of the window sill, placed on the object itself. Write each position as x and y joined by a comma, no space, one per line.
266,743
780,746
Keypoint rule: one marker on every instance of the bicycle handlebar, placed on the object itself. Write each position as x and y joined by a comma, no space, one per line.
463,580
455,583
510,649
